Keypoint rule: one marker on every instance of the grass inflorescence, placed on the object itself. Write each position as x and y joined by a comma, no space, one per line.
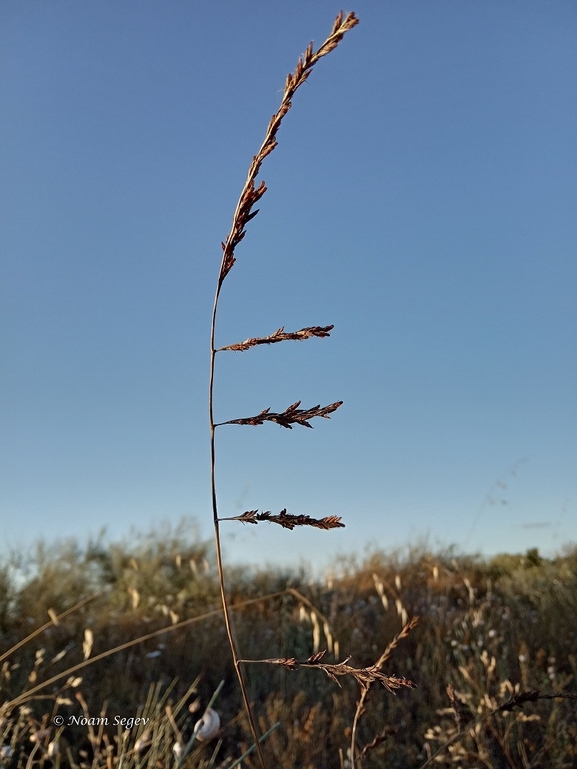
293,415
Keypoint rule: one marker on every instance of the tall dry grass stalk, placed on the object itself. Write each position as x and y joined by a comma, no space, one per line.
293,415
244,212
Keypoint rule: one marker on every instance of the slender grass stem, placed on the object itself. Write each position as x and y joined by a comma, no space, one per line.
243,214
225,607
48,624
240,759
30,693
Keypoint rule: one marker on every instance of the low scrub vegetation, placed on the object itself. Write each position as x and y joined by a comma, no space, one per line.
134,631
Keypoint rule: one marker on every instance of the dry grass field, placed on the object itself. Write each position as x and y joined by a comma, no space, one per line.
495,640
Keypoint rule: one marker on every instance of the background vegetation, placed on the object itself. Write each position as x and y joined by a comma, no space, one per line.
489,630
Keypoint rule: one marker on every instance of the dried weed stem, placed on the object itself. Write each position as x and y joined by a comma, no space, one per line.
242,215
404,632
518,700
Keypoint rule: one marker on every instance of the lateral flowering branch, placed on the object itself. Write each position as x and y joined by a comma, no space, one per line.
280,335
532,695
288,521
251,194
387,732
403,633
518,700
363,676
291,416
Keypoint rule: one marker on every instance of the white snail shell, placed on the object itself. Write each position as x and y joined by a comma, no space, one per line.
141,743
53,748
208,725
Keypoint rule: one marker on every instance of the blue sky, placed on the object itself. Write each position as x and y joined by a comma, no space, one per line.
422,198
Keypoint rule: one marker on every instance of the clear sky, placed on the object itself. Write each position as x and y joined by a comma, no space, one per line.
422,198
